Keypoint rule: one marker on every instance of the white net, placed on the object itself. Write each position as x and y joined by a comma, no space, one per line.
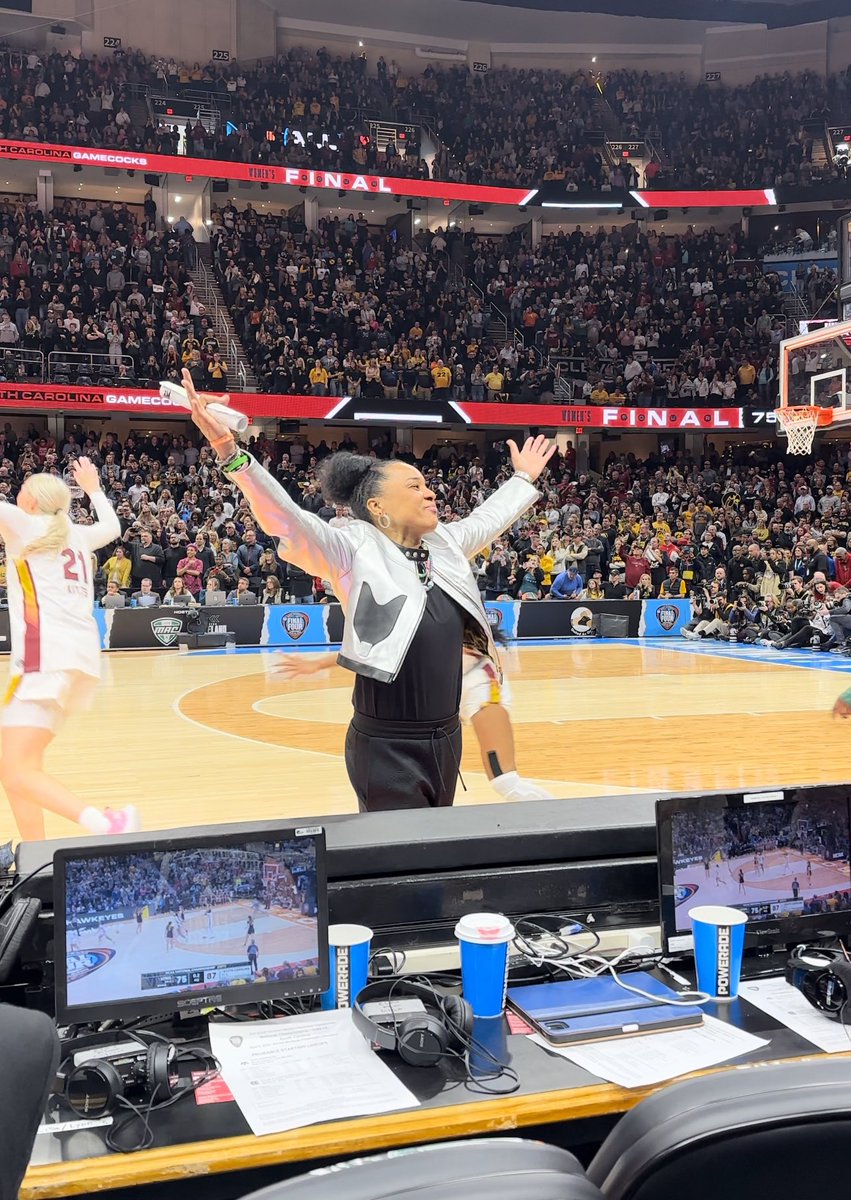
799,425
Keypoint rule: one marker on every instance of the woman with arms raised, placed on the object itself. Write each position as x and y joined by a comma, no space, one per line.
407,593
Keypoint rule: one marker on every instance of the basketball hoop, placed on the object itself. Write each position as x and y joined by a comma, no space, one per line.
799,424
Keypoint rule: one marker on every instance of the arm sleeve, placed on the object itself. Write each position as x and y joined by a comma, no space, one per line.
106,529
17,528
304,539
493,517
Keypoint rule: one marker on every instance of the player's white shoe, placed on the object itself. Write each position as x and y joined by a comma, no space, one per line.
126,820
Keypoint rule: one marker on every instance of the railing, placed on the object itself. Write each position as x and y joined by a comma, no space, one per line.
13,359
440,147
496,312
581,365
562,387
70,364
221,326
210,115
458,278
831,297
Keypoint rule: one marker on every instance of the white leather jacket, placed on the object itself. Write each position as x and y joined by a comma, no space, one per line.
378,588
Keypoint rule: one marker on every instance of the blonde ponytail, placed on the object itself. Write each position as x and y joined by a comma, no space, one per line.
52,498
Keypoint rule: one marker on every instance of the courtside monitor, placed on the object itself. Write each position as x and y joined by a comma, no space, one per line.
779,857
184,924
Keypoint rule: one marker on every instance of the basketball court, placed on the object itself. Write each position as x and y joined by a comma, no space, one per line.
111,962
764,877
205,738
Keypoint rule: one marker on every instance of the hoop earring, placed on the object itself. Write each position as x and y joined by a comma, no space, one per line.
382,521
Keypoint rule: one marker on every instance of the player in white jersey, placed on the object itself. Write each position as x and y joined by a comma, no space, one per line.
55,660
485,704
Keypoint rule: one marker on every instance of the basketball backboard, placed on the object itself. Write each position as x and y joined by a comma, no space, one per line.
815,383
815,369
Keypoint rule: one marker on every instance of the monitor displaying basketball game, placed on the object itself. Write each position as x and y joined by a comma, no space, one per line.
180,925
782,858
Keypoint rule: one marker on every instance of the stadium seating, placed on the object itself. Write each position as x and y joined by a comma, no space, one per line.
612,316
506,126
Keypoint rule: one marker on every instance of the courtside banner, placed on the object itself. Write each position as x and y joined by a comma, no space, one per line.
68,398
159,628
664,618
301,624
320,626
575,618
212,168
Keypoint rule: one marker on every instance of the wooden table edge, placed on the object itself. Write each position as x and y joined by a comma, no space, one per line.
190,1160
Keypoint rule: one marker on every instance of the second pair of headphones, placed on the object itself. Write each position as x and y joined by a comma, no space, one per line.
823,977
99,1087
420,1039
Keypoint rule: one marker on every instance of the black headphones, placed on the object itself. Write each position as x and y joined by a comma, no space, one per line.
422,1039
823,977
99,1086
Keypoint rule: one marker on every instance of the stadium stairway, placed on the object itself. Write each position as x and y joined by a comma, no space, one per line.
241,377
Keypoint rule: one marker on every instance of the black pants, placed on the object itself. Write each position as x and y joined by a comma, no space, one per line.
396,765
801,633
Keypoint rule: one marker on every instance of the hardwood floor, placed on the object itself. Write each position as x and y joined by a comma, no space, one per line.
213,737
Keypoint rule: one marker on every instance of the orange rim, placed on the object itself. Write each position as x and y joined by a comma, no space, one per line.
796,414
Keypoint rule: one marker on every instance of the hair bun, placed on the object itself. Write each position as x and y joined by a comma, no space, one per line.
342,475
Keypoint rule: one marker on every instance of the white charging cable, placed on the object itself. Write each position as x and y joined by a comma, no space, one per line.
592,966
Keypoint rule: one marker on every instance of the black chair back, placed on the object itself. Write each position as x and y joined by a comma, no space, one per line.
489,1169
29,1053
779,1131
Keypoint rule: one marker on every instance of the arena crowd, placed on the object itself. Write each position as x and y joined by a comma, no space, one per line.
759,542
504,126
97,293
621,315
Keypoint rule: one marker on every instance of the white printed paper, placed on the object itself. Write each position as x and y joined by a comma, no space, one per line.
654,1057
71,1126
785,1003
296,1071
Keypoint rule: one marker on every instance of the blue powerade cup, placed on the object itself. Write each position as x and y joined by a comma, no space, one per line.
348,946
719,941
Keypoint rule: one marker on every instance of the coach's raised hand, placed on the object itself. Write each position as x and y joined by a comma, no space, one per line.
533,457
217,434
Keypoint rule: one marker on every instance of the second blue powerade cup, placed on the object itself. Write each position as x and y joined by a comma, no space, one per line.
348,946
484,939
719,942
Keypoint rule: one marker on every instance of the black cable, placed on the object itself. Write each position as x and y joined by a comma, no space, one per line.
395,964
474,1083
143,1113
531,927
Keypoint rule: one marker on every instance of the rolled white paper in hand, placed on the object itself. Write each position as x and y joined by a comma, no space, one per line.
235,421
